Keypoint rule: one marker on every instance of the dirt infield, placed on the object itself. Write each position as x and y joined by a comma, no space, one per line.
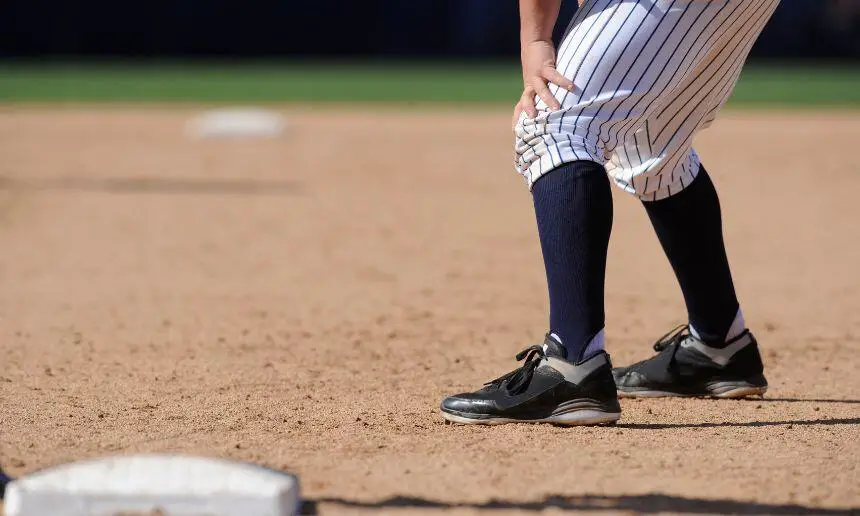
305,303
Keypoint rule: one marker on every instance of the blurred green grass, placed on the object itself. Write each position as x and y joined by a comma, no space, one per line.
760,85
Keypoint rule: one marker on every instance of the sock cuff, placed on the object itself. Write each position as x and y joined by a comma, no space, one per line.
738,326
595,345
573,170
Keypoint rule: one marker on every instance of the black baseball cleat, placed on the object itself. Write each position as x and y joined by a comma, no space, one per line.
546,389
686,366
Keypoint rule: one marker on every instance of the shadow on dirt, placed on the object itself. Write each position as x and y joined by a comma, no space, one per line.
153,185
640,504
801,400
798,422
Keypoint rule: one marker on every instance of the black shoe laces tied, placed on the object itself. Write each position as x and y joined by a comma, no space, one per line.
517,380
672,338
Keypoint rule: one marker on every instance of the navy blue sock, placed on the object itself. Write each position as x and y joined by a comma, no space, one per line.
689,226
573,205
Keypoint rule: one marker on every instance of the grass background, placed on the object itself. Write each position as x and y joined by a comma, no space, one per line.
760,85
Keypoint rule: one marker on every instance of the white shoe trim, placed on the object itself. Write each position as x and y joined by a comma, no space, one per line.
720,356
576,373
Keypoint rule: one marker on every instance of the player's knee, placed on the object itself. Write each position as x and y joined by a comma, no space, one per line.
544,143
653,185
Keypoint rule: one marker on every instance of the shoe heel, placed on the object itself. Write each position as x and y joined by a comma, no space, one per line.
738,388
585,417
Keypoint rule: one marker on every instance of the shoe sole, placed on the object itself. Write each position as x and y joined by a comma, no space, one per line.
719,389
581,417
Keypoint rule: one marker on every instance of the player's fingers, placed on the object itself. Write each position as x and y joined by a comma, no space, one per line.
527,102
544,93
555,77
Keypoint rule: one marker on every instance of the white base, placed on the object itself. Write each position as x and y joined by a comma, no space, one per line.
175,485
236,123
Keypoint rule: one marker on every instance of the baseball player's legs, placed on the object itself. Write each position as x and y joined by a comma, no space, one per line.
657,162
568,379
573,208
623,58
648,74
689,227
715,355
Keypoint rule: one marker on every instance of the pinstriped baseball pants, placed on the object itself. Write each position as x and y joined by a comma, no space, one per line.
648,76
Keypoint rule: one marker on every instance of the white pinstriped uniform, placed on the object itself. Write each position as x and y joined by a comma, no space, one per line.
648,76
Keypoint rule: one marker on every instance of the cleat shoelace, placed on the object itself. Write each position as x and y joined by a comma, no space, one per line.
517,380
668,343
674,336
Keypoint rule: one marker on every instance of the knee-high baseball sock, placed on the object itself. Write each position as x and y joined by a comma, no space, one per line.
689,226
573,205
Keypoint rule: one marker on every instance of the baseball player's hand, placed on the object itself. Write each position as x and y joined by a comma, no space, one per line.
538,71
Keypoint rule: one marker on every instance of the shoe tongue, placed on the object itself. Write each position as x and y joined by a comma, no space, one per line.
553,347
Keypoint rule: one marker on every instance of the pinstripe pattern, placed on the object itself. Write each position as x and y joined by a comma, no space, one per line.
649,75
